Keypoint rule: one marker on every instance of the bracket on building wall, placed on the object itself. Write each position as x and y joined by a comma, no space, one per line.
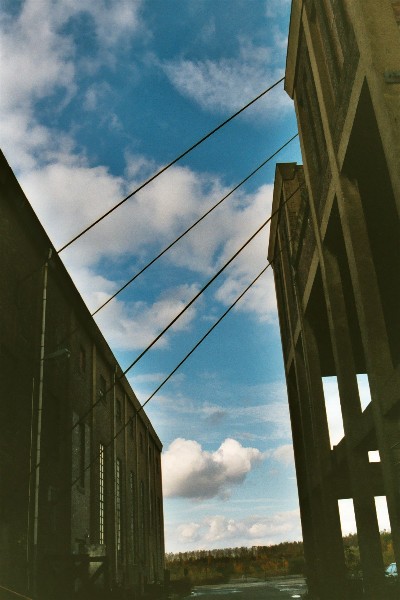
392,76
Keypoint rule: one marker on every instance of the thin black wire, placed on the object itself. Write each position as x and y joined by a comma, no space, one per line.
89,411
153,260
206,335
100,399
137,411
149,264
173,162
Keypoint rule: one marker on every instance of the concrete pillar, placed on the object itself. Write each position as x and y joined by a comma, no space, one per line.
375,341
323,502
357,459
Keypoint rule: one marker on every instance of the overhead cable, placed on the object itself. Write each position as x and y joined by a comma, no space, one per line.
220,271
137,411
165,168
150,263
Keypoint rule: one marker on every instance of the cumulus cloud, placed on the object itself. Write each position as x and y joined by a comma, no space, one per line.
220,531
191,472
135,325
283,454
68,194
39,61
228,83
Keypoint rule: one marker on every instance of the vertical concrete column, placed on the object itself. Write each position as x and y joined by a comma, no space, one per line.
375,341
321,525
304,448
325,513
304,484
357,459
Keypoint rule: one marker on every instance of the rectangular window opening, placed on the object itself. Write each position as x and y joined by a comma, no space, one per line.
101,494
132,487
118,410
374,456
333,409
82,359
142,520
382,513
82,454
385,530
363,390
118,500
102,388
350,538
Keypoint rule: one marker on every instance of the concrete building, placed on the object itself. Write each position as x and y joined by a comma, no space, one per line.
335,248
91,514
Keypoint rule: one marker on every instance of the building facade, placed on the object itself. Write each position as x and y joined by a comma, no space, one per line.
81,496
335,250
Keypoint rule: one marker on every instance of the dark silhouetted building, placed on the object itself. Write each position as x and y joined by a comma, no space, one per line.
91,514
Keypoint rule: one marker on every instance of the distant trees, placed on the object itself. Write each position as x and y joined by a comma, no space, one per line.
222,564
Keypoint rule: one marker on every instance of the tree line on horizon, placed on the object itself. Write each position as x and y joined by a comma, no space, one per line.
287,558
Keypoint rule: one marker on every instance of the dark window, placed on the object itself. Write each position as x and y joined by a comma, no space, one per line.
118,502
101,493
118,410
132,486
82,454
102,388
82,359
142,520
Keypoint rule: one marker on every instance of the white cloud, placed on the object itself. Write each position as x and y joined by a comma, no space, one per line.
135,325
201,415
191,472
220,531
284,454
275,413
229,83
188,531
274,8
68,195
39,60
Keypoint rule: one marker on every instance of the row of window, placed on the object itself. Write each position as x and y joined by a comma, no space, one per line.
154,508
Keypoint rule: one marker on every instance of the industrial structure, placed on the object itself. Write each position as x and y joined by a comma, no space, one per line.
335,251
80,496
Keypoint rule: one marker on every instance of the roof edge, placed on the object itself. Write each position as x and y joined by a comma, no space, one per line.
293,43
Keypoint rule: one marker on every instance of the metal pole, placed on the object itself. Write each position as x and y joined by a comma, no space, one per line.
39,428
28,526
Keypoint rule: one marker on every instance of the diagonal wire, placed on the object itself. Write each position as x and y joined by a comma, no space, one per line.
89,411
137,411
149,264
173,162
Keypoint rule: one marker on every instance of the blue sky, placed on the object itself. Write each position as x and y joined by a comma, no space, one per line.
97,96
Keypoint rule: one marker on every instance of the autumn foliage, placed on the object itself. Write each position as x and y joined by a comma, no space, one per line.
261,562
